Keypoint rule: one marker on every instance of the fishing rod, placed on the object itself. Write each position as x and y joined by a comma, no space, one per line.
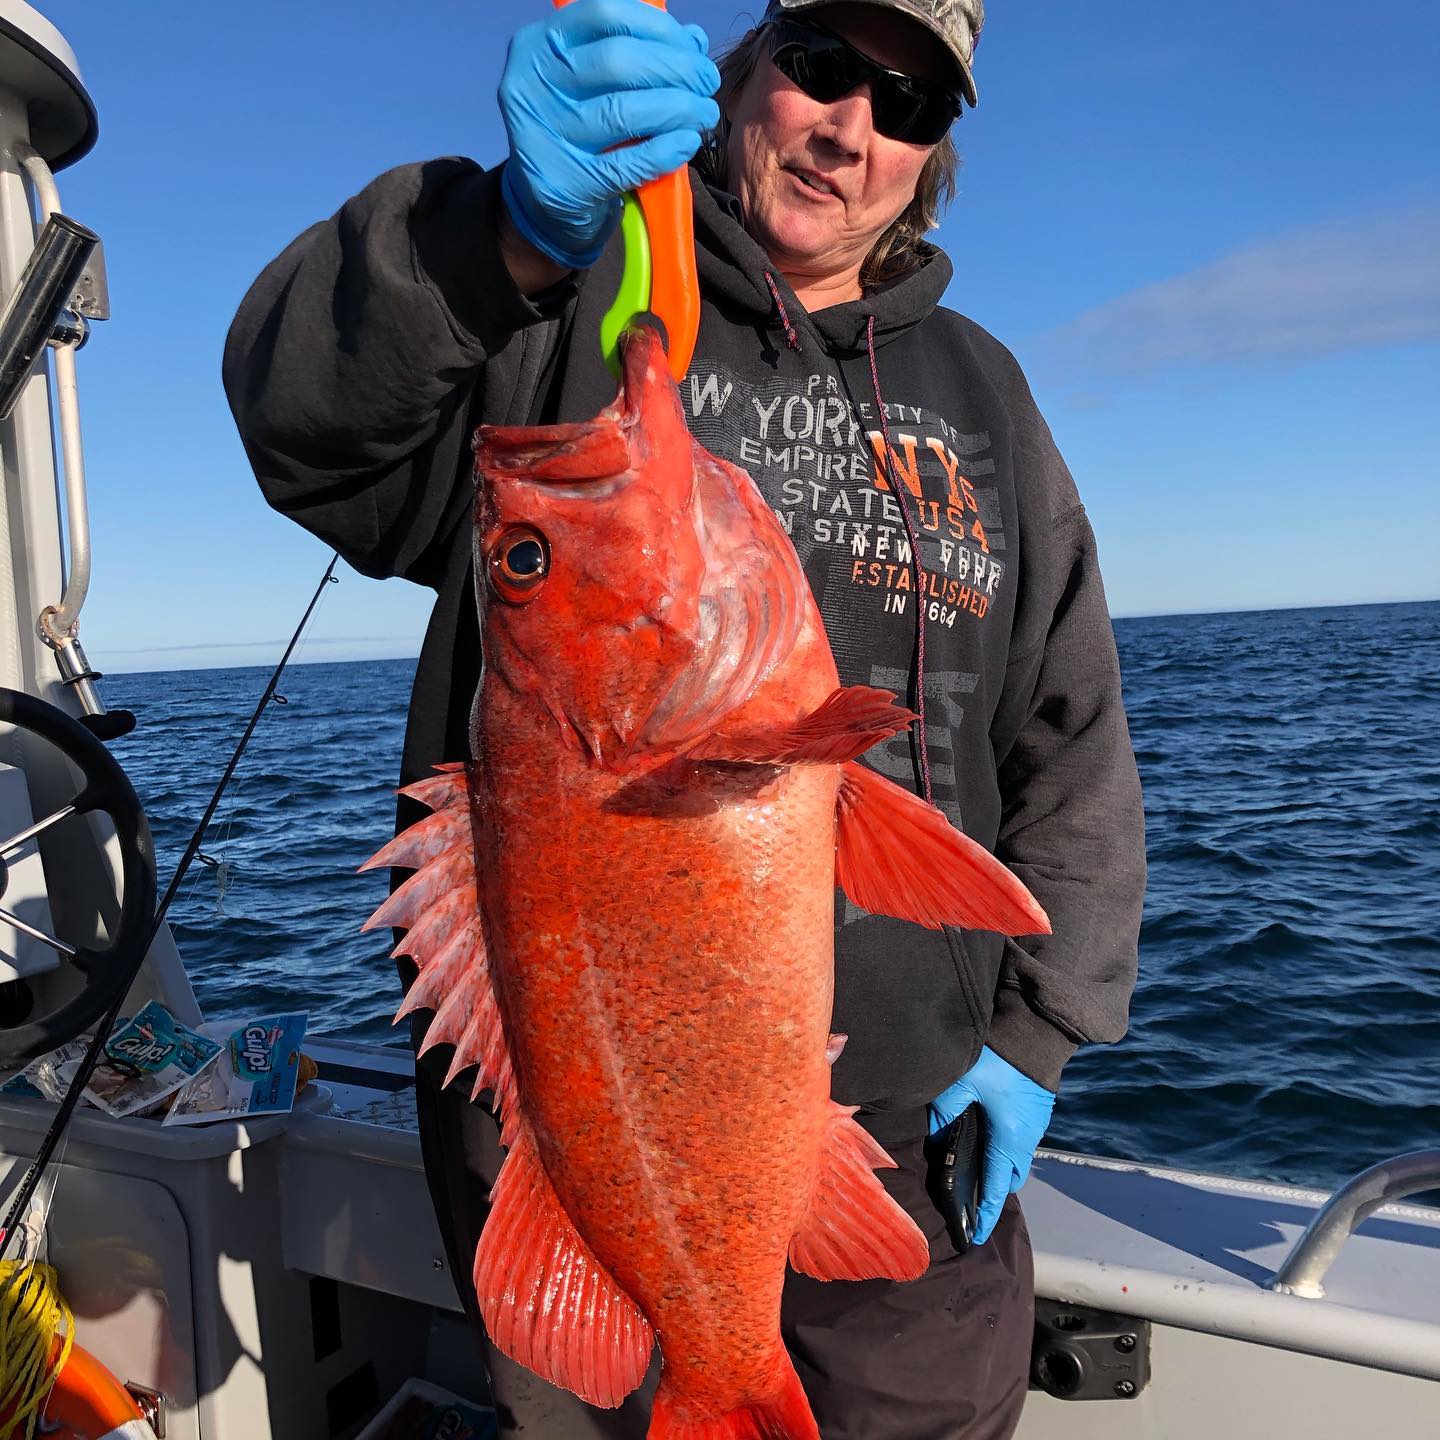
96,1047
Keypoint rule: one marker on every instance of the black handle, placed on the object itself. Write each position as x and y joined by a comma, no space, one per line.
109,726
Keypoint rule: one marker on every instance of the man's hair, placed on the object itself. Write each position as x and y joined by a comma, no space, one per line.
901,248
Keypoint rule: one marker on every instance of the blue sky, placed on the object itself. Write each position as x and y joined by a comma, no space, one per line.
1208,233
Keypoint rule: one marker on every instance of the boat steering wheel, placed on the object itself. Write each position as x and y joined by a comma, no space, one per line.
107,971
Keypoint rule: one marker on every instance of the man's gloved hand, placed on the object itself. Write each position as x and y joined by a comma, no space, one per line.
579,83
1017,1111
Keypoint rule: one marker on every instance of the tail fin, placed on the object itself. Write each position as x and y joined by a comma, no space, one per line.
786,1415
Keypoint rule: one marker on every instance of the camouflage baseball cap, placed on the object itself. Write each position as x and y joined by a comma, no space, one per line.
954,22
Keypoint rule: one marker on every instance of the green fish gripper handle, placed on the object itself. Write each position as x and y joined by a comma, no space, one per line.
633,296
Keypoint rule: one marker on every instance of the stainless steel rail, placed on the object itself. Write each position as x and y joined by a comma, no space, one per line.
1304,1270
61,621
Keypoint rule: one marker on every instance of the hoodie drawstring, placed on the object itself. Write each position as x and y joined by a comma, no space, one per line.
898,489
792,339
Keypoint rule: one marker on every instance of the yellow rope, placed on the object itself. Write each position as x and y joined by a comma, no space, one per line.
32,1313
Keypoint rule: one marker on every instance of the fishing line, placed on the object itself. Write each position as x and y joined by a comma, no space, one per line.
305,639
102,1034
220,862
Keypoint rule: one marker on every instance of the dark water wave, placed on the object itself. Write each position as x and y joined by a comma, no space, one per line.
1287,1023
1288,1018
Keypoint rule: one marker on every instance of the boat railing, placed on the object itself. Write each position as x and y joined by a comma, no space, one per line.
65,329
1304,1270
60,292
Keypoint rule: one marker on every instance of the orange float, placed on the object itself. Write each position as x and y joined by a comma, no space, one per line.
88,1403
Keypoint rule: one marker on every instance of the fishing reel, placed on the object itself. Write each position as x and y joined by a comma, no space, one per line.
104,971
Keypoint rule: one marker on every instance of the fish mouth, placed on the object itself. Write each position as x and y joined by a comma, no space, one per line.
580,457
592,459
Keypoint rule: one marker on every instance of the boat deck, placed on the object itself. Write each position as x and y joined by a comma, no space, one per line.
1191,1250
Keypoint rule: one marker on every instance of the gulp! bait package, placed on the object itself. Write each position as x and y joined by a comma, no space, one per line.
254,1075
147,1058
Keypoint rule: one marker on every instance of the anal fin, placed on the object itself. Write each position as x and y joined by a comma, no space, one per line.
547,1301
854,1229
895,855
845,725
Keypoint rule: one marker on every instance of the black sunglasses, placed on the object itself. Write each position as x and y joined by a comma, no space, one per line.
826,67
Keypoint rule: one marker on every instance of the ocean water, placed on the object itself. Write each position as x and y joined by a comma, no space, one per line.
1287,1020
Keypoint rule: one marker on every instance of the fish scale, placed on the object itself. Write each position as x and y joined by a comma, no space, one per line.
660,807
639,1005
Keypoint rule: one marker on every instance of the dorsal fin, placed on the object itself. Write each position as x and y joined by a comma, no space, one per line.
437,908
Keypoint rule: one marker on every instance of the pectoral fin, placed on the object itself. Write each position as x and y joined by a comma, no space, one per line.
896,855
847,724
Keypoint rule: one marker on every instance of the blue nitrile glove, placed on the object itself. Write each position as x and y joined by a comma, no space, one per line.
1017,1112
577,84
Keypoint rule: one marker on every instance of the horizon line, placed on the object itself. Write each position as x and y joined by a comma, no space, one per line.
123,669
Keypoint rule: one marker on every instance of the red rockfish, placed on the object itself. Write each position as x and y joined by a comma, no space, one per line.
623,917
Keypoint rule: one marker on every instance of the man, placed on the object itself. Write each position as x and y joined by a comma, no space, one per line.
874,421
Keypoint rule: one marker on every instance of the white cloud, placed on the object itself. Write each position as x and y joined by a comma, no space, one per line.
1345,285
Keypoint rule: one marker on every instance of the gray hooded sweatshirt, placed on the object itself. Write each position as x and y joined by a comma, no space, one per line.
365,355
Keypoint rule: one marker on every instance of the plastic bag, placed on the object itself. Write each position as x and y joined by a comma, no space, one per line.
146,1059
255,1074
49,1077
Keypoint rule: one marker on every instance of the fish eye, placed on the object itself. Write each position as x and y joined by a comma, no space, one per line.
519,562
525,558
